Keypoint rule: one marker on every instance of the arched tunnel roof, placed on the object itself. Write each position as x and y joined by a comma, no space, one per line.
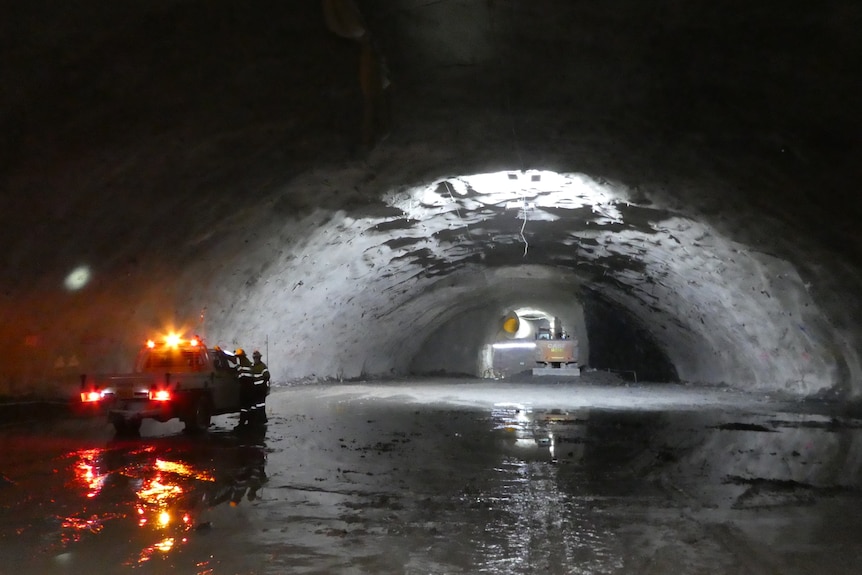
366,188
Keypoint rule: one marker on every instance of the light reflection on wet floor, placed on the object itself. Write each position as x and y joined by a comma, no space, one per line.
357,483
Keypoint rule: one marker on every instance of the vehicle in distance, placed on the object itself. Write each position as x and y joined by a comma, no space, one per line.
173,377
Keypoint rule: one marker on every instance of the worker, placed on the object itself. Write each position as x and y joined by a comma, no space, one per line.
261,376
239,363
246,387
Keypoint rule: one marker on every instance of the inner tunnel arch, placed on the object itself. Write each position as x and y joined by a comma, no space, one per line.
362,291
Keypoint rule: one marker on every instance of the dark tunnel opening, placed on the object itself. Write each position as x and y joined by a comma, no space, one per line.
621,344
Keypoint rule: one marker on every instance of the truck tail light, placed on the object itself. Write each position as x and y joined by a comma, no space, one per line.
160,395
90,396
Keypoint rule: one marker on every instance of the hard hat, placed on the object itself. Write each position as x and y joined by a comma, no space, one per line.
239,351
256,353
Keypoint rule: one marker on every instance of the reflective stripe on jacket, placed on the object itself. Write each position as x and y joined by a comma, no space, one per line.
243,370
260,373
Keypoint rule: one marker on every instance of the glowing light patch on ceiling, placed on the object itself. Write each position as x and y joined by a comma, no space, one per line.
530,189
533,314
77,278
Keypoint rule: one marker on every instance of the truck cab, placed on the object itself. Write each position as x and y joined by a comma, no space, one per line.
173,377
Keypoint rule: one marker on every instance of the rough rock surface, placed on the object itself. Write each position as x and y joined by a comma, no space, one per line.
348,189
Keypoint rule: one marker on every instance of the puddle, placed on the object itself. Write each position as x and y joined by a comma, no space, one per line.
352,483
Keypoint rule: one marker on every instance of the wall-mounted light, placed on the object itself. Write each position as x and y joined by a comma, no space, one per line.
77,278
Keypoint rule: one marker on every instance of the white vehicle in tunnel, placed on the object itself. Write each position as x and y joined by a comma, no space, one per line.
556,351
173,378
556,356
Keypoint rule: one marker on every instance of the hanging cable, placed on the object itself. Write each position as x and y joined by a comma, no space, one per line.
454,201
511,116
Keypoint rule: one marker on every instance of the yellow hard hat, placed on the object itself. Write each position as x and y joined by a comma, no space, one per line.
239,351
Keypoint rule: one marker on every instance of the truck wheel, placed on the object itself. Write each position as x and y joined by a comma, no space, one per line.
200,415
127,427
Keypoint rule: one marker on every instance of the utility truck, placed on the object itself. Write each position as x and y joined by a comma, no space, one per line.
174,377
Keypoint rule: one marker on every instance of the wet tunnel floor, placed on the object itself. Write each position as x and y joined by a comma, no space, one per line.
446,478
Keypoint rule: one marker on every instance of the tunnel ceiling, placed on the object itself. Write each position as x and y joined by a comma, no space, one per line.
365,188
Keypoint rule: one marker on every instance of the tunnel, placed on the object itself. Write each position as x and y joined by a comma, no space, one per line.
367,189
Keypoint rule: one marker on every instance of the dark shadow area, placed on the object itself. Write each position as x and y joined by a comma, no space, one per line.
618,343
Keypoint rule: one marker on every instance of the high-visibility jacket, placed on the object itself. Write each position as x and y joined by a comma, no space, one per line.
261,373
241,366
244,370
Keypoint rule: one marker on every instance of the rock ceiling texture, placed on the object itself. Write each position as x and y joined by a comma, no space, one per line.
366,188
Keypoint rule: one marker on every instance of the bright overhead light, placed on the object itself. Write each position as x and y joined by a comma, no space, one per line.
538,188
514,345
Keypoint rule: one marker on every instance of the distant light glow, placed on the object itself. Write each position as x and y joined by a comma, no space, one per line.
524,329
514,345
77,278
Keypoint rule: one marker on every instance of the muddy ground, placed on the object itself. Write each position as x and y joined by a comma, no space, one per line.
446,476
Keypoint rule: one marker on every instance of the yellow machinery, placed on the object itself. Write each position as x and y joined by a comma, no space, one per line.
556,353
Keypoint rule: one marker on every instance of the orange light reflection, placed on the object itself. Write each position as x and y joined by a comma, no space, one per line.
86,471
165,545
182,469
162,487
155,492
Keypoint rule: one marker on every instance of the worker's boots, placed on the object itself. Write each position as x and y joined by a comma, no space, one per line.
258,417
